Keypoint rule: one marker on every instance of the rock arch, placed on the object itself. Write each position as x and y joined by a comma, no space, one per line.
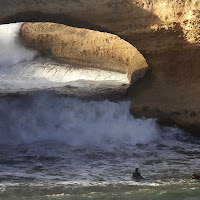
86,48
165,32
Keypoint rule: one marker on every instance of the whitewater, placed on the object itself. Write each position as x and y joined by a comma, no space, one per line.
66,133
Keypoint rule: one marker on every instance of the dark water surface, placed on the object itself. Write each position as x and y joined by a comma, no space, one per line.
56,170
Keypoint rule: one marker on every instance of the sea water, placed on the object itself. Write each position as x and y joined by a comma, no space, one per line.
63,137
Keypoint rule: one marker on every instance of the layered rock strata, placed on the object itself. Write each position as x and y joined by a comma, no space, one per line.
85,47
166,32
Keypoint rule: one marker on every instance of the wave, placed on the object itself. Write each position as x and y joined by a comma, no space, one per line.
11,49
49,70
20,70
42,117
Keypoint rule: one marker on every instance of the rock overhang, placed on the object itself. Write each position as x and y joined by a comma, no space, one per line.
84,47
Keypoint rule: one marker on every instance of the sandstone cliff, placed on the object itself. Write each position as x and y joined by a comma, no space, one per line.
166,32
85,47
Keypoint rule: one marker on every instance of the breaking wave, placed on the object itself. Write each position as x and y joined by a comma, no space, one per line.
47,117
43,116
11,49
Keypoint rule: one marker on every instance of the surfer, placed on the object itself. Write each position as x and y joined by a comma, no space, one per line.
136,175
194,176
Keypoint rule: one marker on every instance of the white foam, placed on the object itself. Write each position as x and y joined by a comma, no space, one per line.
46,117
43,73
11,50
65,73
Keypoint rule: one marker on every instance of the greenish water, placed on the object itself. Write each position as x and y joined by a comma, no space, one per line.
182,191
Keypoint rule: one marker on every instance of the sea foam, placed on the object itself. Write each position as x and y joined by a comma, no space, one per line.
46,117
11,49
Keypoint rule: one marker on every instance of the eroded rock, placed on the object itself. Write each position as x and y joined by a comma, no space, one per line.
85,47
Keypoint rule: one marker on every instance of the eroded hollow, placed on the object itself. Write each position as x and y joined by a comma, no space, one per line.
85,48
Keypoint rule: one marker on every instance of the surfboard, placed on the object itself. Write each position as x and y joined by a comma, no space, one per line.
196,180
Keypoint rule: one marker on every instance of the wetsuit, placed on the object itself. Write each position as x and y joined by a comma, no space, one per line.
136,175
195,176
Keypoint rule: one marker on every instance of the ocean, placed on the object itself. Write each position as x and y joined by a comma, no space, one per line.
67,133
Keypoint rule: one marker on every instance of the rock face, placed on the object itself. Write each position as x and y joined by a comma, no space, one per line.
166,32
85,47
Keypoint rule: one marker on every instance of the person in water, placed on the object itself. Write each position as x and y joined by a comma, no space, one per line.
194,176
136,175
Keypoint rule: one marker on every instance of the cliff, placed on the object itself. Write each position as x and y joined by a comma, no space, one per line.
166,32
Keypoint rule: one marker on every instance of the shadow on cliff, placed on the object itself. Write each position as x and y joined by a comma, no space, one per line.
170,91
113,17
32,16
